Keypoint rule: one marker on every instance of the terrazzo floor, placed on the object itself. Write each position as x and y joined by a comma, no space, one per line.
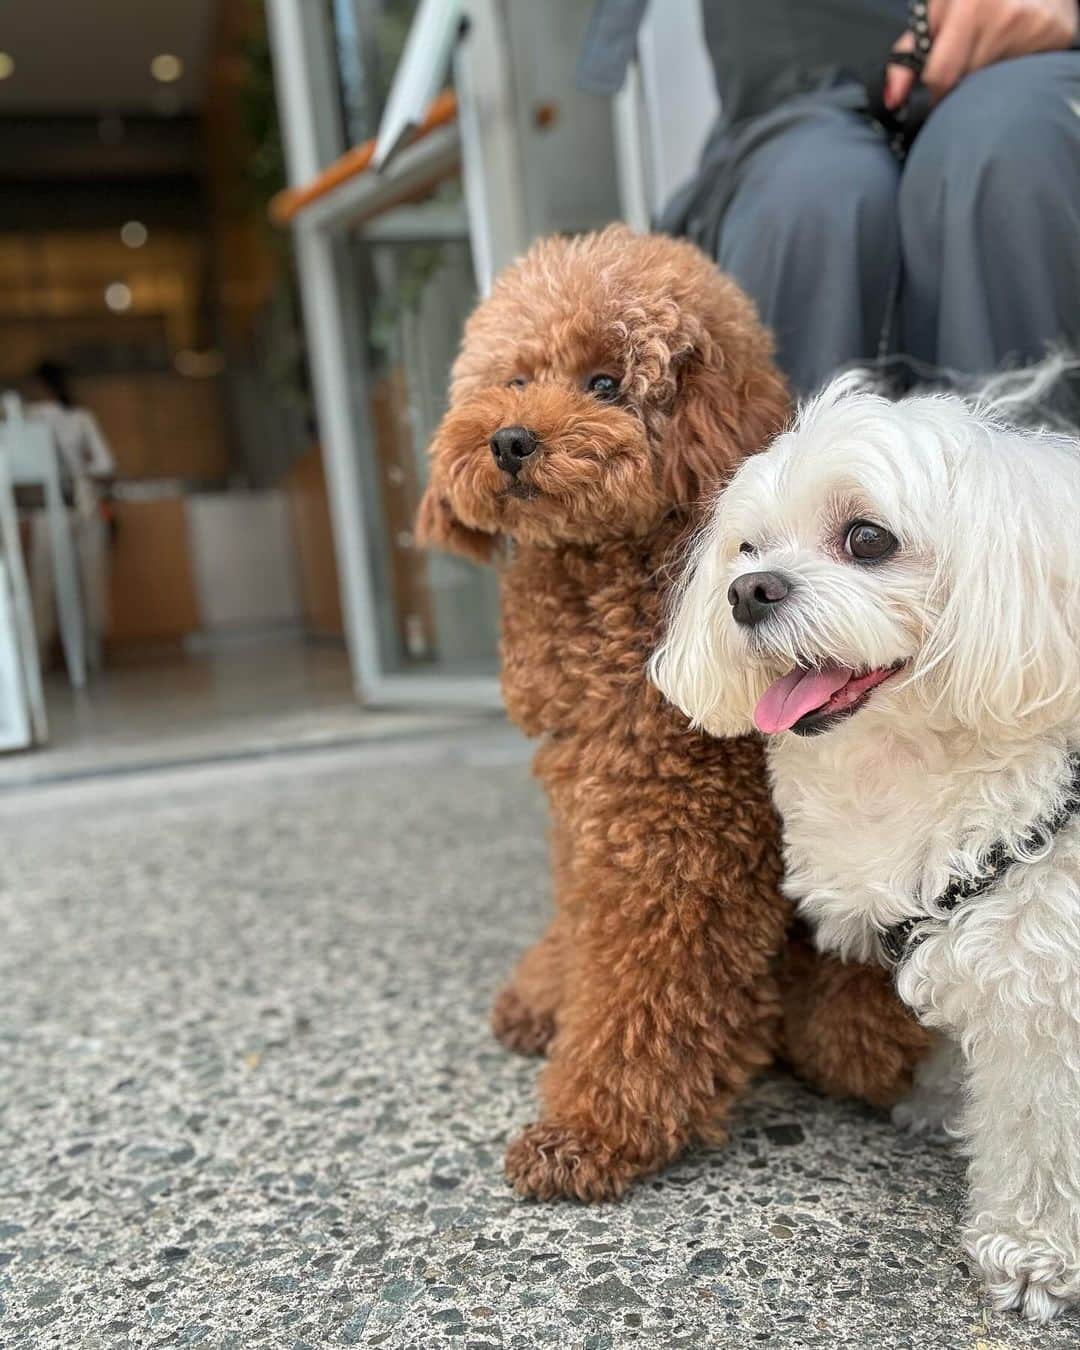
248,1097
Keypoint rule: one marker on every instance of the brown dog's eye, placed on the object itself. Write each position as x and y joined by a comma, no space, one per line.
603,386
518,382
868,542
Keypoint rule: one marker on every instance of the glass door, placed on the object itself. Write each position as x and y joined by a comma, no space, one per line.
437,614
389,262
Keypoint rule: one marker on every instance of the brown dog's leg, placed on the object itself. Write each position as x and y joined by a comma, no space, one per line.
671,1005
845,1030
524,1012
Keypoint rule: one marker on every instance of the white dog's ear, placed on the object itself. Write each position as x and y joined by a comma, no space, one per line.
695,666
1004,641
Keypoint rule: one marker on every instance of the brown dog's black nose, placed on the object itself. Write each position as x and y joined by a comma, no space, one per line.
753,595
511,446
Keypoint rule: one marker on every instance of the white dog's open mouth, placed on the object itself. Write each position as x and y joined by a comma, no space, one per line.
810,700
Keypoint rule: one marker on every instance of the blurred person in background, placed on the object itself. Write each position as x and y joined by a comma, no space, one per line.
962,256
87,470
86,462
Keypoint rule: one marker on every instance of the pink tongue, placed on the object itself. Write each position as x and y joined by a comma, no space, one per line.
784,702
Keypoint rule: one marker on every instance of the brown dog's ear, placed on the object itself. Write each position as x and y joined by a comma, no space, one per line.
729,405
438,527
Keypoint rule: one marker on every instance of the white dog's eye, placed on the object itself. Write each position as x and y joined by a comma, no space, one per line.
868,542
745,547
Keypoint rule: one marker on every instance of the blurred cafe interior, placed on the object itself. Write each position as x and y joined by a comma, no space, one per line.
237,244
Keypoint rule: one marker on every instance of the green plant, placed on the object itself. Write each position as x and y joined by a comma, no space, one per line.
266,166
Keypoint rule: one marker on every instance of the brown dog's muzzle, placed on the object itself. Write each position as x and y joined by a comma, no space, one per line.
511,447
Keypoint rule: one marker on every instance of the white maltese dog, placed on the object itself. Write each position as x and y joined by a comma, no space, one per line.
891,594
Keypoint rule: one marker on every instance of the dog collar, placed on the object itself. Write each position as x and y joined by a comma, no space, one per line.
900,939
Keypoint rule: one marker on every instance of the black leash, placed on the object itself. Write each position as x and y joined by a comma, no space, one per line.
901,125
900,940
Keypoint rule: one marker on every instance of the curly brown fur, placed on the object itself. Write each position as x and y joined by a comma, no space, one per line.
523,1016
843,1029
655,990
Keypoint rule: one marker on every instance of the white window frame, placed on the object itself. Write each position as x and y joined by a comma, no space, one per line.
302,49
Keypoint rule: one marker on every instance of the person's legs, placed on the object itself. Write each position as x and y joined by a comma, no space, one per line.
811,234
91,536
39,565
990,218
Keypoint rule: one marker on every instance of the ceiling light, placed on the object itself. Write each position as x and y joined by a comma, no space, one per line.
134,234
166,67
118,296
7,66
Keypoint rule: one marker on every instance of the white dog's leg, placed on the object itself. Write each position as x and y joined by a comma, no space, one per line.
934,1105
1022,1126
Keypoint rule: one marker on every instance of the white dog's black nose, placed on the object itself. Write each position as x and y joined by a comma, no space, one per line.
511,446
753,595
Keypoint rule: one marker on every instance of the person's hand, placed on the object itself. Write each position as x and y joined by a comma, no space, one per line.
970,34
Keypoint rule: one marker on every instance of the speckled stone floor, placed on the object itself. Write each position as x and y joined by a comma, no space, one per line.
248,1097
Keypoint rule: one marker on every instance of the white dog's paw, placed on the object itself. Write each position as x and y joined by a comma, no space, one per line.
1029,1275
935,1103
933,1118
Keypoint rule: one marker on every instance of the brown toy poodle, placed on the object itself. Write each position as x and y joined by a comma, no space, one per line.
605,389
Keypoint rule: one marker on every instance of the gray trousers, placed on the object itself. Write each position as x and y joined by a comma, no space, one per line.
980,227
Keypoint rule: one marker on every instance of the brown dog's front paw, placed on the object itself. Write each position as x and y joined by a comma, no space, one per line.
551,1162
519,1027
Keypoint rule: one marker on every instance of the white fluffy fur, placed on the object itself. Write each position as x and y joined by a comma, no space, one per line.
967,746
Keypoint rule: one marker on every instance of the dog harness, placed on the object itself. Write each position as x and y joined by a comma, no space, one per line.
901,939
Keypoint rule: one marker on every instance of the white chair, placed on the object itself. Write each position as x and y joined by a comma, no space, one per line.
32,461
22,699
